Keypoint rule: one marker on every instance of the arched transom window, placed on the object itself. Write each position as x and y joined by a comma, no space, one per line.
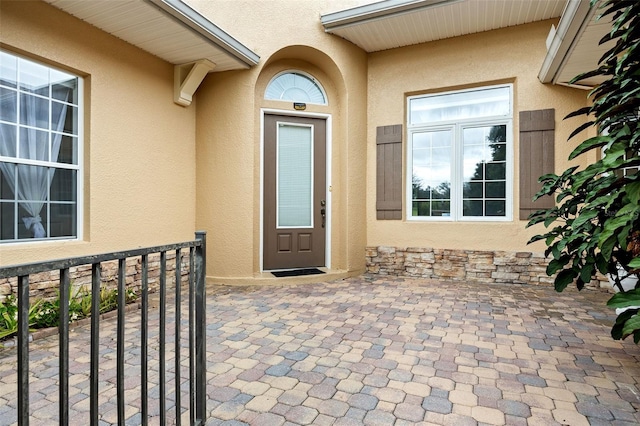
295,87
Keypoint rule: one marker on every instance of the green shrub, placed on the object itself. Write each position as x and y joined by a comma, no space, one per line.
46,313
9,315
595,225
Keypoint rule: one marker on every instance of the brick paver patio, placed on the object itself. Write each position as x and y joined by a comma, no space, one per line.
377,351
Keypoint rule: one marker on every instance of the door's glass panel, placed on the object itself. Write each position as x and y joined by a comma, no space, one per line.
294,176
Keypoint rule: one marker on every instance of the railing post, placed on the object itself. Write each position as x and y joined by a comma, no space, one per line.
201,327
63,333
192,336
144,341
163,338
177,343
23,350
94,375
120,328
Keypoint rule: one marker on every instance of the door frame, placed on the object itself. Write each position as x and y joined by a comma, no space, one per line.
327,118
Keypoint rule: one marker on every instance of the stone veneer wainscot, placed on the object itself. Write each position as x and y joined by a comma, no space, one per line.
463,265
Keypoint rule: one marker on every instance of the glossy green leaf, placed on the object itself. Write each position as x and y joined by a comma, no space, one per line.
584,217
586,272
633,192
581,128
616,330
557,264
631,326
624,299
564,278
591,143
606,247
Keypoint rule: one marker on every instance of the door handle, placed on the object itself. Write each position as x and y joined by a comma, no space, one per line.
323,212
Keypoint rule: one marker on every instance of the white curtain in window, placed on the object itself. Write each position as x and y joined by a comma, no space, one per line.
32,184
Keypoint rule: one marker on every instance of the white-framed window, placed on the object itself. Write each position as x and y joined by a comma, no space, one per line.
296,86
40,151
460,162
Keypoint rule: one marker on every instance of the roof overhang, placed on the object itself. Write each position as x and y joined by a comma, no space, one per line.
168,29
171,30
395,23
573,47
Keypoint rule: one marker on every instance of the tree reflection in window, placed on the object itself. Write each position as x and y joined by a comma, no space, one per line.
484,187
431,200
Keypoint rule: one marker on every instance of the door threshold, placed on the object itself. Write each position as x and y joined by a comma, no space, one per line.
296,272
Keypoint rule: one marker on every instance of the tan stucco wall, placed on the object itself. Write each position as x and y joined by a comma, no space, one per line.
156,171
139,146
507,55
228,153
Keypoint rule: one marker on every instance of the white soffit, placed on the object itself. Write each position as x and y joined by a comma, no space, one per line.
168,29
574,46
395,23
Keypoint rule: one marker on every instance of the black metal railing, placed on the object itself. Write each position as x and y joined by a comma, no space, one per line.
196,329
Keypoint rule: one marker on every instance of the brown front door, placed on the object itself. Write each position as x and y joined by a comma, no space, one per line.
294,192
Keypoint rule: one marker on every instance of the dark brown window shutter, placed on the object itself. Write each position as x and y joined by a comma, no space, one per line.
389,172
537,130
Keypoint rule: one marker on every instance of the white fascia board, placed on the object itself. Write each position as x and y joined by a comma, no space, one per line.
193,20
576,16
375,11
